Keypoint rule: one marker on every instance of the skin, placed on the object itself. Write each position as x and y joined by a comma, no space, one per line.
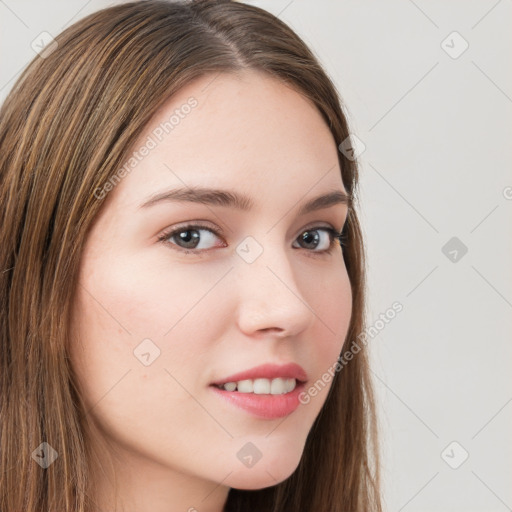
173,442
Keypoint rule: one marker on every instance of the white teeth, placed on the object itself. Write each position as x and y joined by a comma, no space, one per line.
276,386
245,386
290,384
230,386
261,387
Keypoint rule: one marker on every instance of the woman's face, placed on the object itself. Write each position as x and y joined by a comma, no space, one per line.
155,326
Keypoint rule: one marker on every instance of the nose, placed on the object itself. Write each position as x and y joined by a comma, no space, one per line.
271,296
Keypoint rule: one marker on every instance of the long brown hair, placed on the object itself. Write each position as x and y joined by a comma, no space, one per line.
65,129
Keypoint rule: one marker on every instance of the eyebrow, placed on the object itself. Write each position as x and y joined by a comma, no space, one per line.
232,199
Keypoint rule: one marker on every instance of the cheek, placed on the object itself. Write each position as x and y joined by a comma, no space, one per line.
332,304
124,312
331,300
133,297
129,317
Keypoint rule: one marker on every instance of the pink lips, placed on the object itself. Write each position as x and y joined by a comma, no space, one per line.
265,406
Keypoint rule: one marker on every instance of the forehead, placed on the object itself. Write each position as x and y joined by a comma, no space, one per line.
246,130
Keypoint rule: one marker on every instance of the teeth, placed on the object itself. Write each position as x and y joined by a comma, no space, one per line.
290,384
277,386
230,386
245,386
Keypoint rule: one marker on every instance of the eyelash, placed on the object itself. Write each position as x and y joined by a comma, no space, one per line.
164,238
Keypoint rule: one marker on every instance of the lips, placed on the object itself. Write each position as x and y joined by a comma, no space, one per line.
266,407
267,371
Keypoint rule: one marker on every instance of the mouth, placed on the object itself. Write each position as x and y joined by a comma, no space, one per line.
266,379
268,391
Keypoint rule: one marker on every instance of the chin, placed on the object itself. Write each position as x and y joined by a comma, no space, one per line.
263,475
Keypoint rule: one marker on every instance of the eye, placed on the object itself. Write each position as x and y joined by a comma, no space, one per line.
321,244
187,239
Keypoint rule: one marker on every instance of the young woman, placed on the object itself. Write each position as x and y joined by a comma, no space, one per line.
182,273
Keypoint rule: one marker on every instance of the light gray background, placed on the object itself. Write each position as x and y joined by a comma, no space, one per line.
437,132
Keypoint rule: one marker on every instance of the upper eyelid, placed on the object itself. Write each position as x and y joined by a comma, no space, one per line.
205,224
196,224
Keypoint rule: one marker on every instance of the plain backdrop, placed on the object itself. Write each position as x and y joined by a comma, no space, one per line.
427,88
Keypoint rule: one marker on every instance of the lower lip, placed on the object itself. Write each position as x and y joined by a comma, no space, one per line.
264,406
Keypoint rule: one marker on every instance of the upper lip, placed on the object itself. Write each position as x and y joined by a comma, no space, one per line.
268,371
